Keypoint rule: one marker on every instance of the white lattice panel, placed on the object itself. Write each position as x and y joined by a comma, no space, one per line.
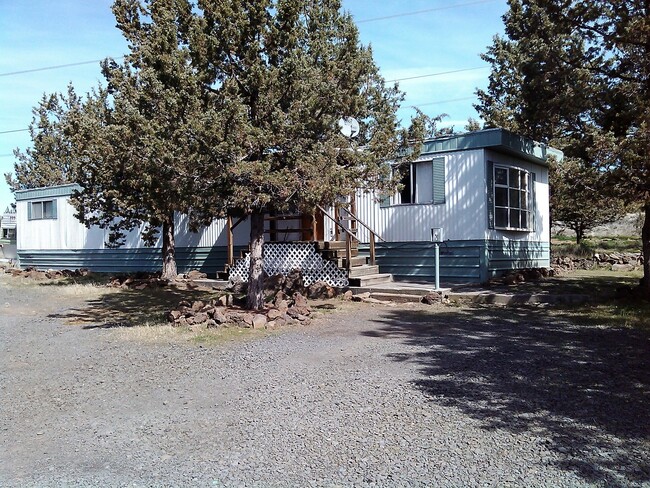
284,257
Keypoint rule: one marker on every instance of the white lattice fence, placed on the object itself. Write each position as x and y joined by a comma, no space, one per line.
284,257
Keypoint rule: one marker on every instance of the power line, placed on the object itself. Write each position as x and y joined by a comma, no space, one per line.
34,70
374,19
436,74
404,14
449,100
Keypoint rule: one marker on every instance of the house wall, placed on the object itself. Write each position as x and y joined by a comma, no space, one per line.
64,242
463,216
471,251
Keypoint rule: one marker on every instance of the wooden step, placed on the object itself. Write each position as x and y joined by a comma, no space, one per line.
369,280
334,254
364,270
354,262
336,245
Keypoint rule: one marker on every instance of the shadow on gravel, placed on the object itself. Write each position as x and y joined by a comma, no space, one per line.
583,388
128,308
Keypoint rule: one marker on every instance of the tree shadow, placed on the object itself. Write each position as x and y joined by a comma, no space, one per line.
583,387
129,308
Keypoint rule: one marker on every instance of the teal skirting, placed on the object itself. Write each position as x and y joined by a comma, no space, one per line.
206,259
460,261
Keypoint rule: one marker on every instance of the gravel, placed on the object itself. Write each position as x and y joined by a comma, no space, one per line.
367,396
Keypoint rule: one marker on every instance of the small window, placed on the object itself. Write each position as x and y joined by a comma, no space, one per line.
45,209
512,199
423,182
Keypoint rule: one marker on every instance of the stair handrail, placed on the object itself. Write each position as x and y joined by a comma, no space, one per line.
349,234
363,224
337,223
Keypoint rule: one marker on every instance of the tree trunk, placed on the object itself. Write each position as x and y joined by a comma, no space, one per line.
580,234
169,270
645,243
255,296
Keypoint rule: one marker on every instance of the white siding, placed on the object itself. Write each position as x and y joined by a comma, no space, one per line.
463,216
66,232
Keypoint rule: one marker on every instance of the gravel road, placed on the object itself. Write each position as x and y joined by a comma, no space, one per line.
367,396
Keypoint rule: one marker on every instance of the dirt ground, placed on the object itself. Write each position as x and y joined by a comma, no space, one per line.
364,396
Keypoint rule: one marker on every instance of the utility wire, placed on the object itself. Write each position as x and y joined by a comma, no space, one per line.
374,19
404,14
34,70
436,74
406,106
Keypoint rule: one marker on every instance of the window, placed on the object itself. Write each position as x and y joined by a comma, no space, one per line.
512,199
422,182
45,209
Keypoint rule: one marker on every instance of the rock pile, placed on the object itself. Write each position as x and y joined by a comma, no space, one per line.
283,310
526,275
137,281
50,274
623,261
289,284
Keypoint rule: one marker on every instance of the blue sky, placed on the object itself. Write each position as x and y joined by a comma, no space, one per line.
444,36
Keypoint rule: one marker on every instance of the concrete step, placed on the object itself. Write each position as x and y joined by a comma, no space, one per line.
372,279
364,270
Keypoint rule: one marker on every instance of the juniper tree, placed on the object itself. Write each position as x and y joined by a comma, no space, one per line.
143,149
51,160
575,74
288,70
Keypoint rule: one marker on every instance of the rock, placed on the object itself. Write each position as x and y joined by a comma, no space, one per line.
173,315
271,324
280,321
200,317
196,275
198,305
299,300
238,287
295,312
320,289
247,319
348,295
361,296
219,316
432,297
181,322
212,324
275,282
259,321
282,305
274,313
225,300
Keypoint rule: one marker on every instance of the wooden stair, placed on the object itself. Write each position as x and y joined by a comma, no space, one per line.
361,273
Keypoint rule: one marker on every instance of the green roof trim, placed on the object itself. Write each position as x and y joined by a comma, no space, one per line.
47,192
499,140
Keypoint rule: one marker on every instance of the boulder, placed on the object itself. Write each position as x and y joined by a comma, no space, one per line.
259,321
320,289
299,300
196,275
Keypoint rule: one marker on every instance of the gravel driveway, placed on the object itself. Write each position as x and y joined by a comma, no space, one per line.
368,396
